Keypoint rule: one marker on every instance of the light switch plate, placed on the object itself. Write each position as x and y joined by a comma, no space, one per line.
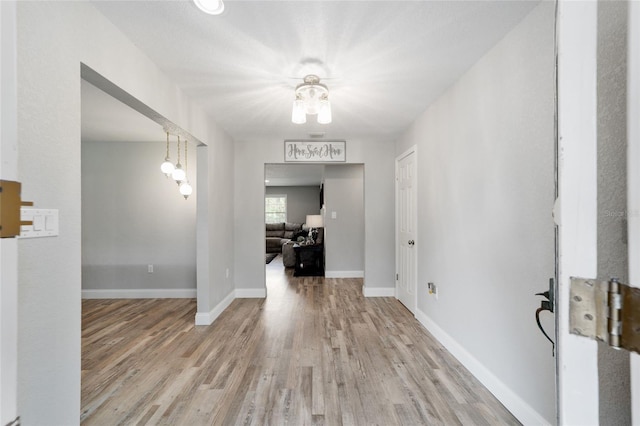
45,223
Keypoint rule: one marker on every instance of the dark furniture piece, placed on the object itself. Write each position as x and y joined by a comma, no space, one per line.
309,260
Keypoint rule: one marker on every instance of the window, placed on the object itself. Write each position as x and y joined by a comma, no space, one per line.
275,208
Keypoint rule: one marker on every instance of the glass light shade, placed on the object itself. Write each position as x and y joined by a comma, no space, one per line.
186,189
178,173
298,114
212,7
324,114
167,167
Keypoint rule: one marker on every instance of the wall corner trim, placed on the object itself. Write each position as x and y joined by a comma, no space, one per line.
140,293
516,405
378,291
207,318
344,274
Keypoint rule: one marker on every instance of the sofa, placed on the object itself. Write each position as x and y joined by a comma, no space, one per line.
278,234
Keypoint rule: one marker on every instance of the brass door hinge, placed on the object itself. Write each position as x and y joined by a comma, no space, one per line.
607,311
10,202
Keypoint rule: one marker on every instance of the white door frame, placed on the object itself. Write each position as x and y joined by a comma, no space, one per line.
576,212
412,150
633,180
8,246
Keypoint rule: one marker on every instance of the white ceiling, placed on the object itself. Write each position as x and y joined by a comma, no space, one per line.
383,61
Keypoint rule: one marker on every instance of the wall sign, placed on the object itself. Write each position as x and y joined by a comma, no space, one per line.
315,151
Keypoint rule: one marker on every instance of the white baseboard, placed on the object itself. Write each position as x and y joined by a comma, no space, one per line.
251,293
344,274
207,318
378,291
518,407
141,293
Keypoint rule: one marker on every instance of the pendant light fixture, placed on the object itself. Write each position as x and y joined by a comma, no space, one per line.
185,187
167,167
178,173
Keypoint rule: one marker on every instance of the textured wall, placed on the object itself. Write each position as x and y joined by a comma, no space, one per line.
613,366
344,243
130,223
485,194
301,200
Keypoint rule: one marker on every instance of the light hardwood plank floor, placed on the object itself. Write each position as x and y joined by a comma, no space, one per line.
315,351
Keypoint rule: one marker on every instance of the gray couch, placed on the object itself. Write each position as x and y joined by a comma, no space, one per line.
278,234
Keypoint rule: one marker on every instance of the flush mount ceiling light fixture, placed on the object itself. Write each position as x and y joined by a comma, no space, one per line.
212,7
312,98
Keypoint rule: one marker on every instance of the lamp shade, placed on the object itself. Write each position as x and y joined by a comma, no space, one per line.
167,167
324,114
186,189
178,173
314,221
298,115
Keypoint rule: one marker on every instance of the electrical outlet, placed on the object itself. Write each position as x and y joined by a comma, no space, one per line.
433,290
150,269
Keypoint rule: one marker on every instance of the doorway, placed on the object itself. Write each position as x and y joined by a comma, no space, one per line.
334,192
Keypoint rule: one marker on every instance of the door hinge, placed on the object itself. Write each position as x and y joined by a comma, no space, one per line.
396,277
10,202
607,311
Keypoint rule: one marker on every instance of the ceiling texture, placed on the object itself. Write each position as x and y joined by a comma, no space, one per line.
384,62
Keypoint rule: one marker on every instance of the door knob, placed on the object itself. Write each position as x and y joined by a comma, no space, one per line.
411,242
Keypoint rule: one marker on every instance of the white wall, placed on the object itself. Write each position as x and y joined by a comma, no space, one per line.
250,158
613,365
53,39
8,246
344,235
215,245
141,220
485,231
301,200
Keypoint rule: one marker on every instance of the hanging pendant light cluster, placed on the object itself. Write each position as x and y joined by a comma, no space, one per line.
176,172
312,98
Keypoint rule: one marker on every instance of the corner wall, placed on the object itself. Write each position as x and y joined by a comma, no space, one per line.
344,234
485,231
128,224
54,38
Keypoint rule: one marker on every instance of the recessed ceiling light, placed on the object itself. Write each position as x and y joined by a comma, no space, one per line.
212,7
266,181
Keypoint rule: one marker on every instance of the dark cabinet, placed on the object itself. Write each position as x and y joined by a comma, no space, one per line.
309,260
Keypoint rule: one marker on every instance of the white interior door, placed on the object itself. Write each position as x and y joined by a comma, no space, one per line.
406,212
576,211
633,181
8,246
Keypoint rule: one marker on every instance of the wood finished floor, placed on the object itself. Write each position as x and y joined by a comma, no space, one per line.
315,351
